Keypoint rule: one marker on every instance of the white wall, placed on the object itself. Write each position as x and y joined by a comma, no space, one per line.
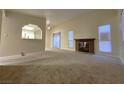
11,42
0,21
86,26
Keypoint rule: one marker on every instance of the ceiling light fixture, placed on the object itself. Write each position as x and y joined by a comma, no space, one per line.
47,22
48,27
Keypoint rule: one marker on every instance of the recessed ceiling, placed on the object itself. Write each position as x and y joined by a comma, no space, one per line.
55,16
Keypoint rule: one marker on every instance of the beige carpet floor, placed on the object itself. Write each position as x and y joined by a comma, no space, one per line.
60,67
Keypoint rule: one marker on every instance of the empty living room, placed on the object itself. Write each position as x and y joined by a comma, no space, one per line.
62,46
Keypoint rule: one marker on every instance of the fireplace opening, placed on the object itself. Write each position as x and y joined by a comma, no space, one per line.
85,45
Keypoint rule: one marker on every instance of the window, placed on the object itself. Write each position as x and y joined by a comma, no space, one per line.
31,32
122,24
123,34
70,39
104,38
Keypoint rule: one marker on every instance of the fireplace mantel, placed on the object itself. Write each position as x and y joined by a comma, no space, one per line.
85,45
84,39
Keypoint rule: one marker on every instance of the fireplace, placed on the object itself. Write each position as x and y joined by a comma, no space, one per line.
85,45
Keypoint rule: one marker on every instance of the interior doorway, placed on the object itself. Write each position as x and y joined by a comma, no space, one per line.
56,40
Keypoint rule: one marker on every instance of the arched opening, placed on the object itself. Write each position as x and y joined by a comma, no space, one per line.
31,31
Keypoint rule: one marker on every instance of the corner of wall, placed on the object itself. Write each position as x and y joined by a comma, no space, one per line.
122,60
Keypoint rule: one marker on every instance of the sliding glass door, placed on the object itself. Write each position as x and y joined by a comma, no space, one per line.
56,40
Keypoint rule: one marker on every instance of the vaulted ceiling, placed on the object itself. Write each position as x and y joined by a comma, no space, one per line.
54,16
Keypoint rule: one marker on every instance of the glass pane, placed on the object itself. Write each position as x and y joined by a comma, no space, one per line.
70,43
123,34
70,39
122,24
105,46
104,38
56,40
70,35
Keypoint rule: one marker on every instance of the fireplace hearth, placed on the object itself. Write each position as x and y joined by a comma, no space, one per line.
85,45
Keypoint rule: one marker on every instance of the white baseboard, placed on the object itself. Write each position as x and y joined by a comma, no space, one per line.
18,55
15,59
109,55
97,53
10,57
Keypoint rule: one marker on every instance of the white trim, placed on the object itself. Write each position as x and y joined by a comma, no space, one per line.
105,54
71,49
122,60
19,55
12,59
